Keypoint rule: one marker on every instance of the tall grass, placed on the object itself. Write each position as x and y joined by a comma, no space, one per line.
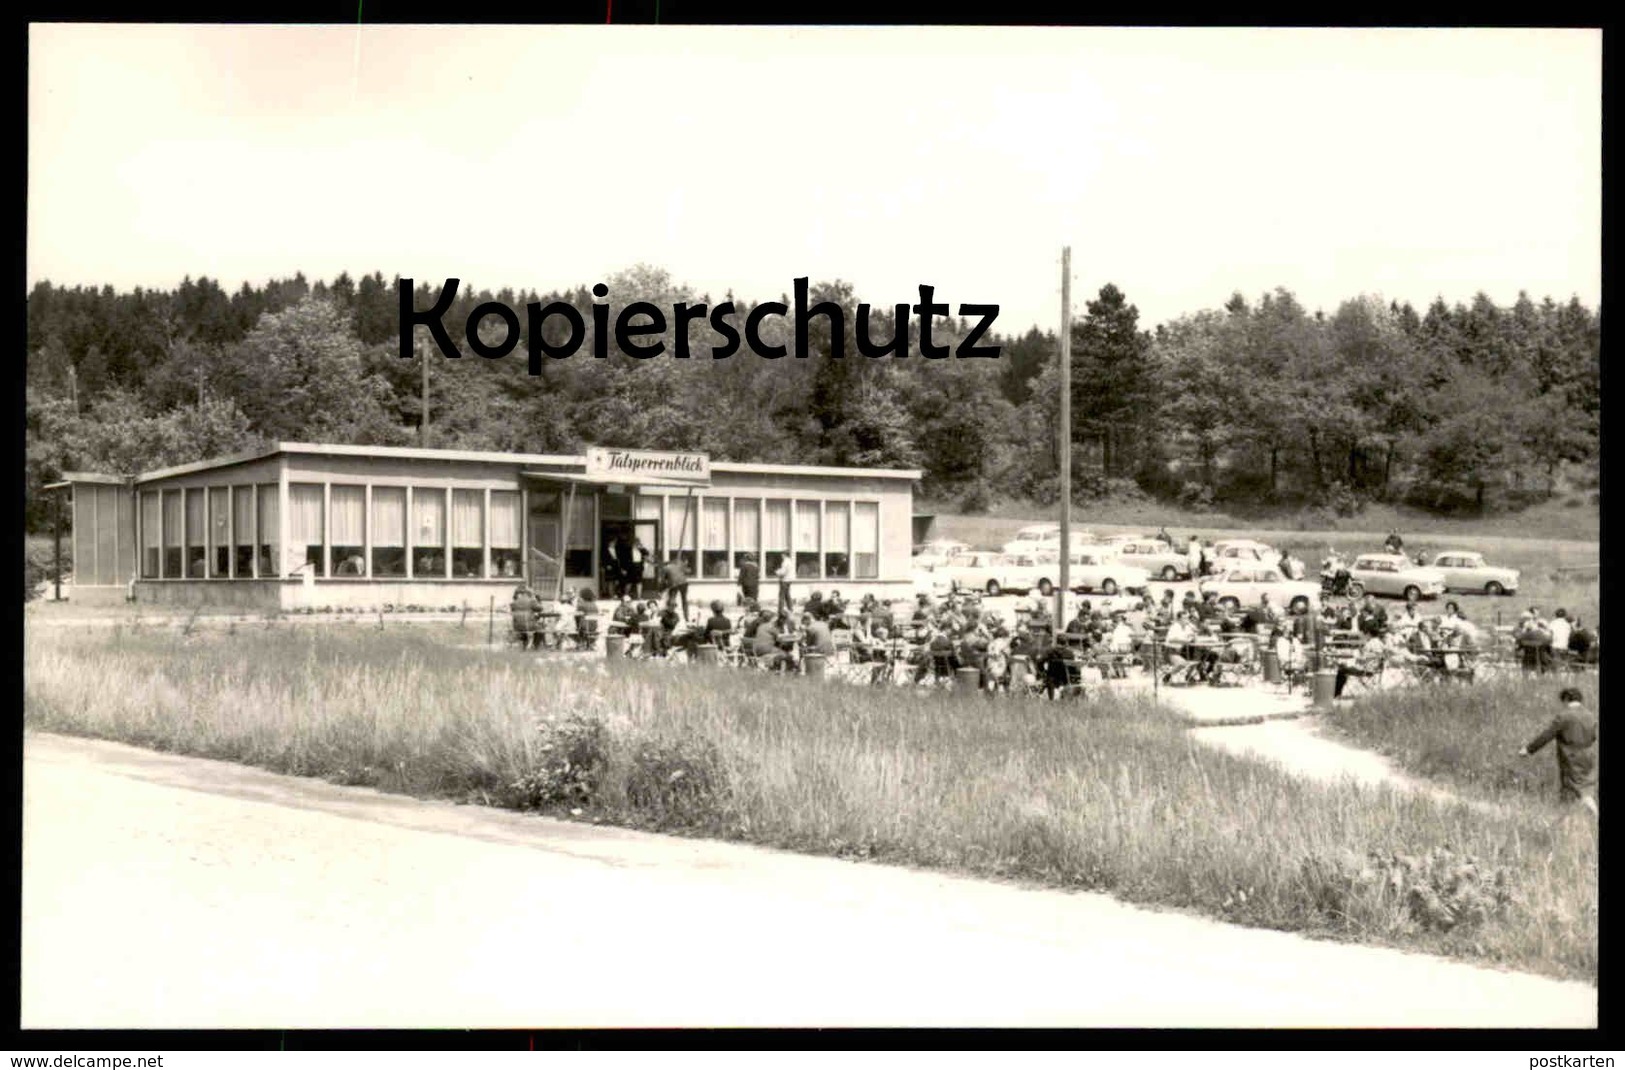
1468,737
1108,795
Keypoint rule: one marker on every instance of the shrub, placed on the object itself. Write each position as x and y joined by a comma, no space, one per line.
1197,497
676,782
1343,500
1438,892
566,765
976,500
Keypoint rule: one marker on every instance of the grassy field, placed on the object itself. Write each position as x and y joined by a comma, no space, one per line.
1111,795
1468,737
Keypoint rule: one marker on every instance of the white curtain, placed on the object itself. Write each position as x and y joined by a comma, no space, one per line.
505,519
174,518
150,518
866,528
428,517
835,527
389,516
747,524
220,513
648,507
349,516
270,527
776,534
714,525
467,519
305,514
242,509
682,516
194,517
807,526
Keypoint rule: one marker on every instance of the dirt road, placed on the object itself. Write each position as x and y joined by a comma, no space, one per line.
173,892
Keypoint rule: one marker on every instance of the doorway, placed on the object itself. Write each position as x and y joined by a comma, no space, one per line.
618,537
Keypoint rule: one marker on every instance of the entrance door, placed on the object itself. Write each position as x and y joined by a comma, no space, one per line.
618,538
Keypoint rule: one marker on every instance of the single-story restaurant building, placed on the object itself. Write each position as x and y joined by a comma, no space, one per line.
329,526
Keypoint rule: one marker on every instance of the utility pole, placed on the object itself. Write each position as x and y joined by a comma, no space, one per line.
1066,440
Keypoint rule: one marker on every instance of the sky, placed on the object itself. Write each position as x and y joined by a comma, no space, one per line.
1180,165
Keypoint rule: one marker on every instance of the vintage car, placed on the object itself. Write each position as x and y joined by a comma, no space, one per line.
1099,568
1466,571
935,554
1040,537
1240,585
976,570
1156,557
1228,552
1395,575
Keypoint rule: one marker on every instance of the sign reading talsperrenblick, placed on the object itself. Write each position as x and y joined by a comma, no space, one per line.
629,465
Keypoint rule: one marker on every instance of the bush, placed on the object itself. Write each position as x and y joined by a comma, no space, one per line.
567,765
1197,497
976,500
1439,892
1343,500
39,566
676,782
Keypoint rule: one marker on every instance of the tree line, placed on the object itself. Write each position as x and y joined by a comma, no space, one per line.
1257,405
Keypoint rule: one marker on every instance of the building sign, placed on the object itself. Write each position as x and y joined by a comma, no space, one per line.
633,466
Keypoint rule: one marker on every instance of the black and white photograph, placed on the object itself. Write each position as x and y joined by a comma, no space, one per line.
614,527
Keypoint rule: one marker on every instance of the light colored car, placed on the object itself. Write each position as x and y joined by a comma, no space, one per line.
1241,585
1119,540
1464,570
1229,552
1156,557
1021,573
972,570
1042,537
1098,568
936,554
1395,575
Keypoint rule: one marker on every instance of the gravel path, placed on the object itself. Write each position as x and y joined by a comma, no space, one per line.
169,892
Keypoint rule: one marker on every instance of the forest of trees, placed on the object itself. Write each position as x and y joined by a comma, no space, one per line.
1258,405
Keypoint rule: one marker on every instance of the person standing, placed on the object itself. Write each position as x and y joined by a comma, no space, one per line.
675,576
786,604
1574,729
621,556
1193,557
750,579
637,559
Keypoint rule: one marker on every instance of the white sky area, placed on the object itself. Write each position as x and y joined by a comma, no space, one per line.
1181,165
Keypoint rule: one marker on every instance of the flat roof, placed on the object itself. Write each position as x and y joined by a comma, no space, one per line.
91,477
488,457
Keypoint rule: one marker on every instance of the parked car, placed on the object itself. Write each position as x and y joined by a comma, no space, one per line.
1097,568
1397,576
935,554
1041,537
1466,571
1119,540
1240,586
975,570
1156,557
1021,573
1243,551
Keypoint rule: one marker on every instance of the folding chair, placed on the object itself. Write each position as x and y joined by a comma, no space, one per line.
1069,682
727,652
1365,676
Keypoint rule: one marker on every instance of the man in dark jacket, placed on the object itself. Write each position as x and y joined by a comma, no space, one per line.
718,621
1372,619
1575,731
750,578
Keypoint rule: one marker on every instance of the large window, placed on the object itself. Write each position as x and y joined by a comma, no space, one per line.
505,560
806,540
428,533
197,553
242,514
682,520
389,531
220,530
775,536
837,556
349,529
866,540
151,548
305,527
468,534
747,530
580,536
714,539
270,519
174,534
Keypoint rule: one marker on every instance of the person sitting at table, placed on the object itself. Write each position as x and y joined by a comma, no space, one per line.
1408,619
1056,666
815,605
996,663
940,659
816,637
765,644
626,614
564,623
1210,611
922,609
1121,638
1081,624
837,604
718,622
1366,662
1167,607
1372,619
1023,644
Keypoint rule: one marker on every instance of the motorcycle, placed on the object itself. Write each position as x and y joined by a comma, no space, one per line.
1339,584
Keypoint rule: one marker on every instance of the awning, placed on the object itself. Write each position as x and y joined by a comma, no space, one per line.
617,481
